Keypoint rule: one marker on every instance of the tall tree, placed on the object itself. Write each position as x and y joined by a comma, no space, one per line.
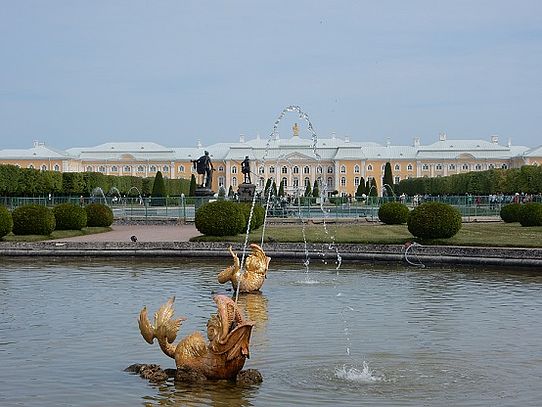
373,188
316,189
308,190
158,190
387,181
281,189
192,190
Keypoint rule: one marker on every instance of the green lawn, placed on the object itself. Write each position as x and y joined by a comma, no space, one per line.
471,234
57,234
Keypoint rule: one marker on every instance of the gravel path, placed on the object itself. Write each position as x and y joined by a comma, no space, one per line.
143,233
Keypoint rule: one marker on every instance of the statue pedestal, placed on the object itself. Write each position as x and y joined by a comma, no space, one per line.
246,192
202,195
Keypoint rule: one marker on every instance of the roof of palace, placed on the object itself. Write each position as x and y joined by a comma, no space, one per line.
283,149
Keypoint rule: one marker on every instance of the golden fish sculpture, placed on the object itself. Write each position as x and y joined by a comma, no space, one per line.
256,266
221,357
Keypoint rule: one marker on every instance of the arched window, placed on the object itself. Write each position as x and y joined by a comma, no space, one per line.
330,169
181,169
329,182
370,167
478,167
306,181
383,167
439,167
140,168
89,168
451,167
409,167
127,168
153,168
165,168
56,167
221,180
261,182
114,168
491,166
343,169
319,169
466,167
343,181
44,167
261,170
234,181
101,169
425,167
397,167
356,169
284,169
296,182
295,170
356,182
284,182
504,166
306,170
396,179
234,169
271,170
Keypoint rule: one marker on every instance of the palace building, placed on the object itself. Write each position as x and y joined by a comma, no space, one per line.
294,161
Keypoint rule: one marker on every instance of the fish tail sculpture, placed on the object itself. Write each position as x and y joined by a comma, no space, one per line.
228,334
256,266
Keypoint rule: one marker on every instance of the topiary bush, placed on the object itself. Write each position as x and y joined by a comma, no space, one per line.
393,213
530,214
33,220
6,222
220,218
70,216
434,220
99,215
258,215
510,213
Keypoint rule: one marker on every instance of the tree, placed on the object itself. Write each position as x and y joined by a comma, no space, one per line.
361,188
316,189
274,189
387,180
192,191
230,192
267,186
373,188
158,189
281,189
308,190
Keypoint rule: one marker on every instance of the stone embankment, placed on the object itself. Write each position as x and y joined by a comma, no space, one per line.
416,254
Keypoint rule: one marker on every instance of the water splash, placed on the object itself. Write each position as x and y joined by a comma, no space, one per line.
352,374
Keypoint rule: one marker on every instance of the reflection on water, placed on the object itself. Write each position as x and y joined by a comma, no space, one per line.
415,337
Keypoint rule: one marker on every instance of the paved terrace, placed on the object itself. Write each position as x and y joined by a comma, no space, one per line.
173,241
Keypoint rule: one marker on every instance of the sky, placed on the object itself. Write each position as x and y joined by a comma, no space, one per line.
80,73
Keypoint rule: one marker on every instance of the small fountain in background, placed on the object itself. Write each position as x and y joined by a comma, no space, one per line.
98,194
114,193
140,198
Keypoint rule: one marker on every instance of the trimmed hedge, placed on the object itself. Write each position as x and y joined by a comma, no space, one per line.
33,220
530,214
258,215
393,213
99,215
70,216
6,221
220,218
510,213
434,220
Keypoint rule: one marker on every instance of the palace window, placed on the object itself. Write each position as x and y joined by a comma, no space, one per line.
261,170
504,167
478,167
221,168
409,167
221,181
153,168
397,167
234,181
439,167
234,169
343,169
356,181
425,167
329,182
319,170
330,169
451,167
343,181
114,168
89,168
306,170
181,169
284,169
44,167
306,181
140,168
284,182
370,167
261,182
101,169
165,168
356,169
466,167
295,169
56,167
127,168
491,166
296,183
396,179
271,170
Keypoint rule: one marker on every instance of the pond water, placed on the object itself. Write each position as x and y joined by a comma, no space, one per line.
365,335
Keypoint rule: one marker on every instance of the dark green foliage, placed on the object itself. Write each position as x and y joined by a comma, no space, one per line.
510,213
220,218
361,188
281,189
393,213
70,216
33,220
6,221
373,189
434,220
387,180
258,215
99,215
530,214
308,190
316,189
158,190
192,191
267,186
230,192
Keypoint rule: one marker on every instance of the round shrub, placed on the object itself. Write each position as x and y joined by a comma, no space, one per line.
434,220
33,220
258,215
6,221
530,214
70,216
510,213
220,218
393,213
99,215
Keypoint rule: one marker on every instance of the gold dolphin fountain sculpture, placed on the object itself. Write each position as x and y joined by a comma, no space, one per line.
256,266
222,357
